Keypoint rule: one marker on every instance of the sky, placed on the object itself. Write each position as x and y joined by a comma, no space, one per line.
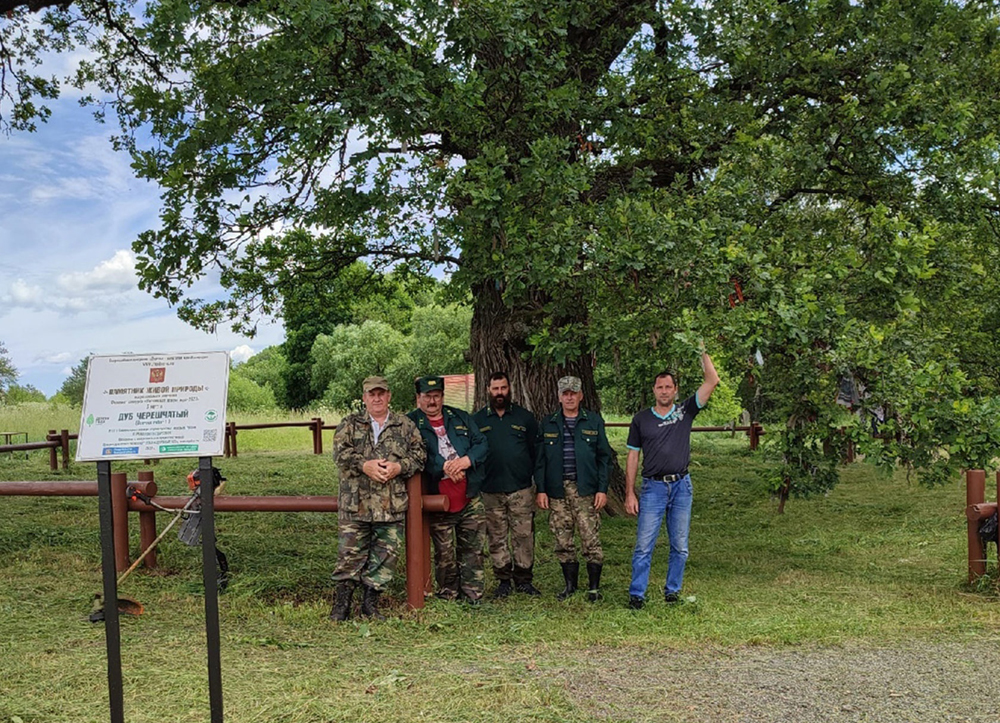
70,209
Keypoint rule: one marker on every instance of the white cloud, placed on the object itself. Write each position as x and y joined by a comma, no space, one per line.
115,274
241,353
60,358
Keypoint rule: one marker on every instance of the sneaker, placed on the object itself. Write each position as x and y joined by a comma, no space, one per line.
671,598
528,589
503,590
635,602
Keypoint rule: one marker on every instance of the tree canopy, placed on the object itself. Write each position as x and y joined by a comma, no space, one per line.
8,373
810,186
75,385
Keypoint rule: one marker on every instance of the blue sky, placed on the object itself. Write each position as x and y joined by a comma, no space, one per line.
69,211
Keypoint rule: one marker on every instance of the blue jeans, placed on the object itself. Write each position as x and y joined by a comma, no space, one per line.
656,500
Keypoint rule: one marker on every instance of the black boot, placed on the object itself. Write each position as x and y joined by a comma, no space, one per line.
505,588
594,573
571,574
369,604
342,605
522,581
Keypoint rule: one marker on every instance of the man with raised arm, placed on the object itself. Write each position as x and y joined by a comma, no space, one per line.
663,435
376,452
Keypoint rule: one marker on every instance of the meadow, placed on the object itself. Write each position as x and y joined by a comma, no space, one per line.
879,559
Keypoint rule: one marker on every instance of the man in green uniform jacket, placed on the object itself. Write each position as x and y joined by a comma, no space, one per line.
507,492
571,472
376,452
456,456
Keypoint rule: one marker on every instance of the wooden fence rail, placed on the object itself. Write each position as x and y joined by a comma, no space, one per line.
55,442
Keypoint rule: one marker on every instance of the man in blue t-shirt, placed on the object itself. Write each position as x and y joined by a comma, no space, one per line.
663,435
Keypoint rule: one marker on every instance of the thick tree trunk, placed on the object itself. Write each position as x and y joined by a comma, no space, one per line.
498,341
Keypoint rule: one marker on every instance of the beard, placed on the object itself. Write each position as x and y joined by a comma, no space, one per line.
500,401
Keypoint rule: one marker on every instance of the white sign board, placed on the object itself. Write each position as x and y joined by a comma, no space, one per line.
147,406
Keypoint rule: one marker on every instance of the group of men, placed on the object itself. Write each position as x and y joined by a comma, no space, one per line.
496,467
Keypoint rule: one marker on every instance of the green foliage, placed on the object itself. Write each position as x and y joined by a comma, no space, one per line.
342,360
268,368
18,394
75,385
246,395
8,374
788,181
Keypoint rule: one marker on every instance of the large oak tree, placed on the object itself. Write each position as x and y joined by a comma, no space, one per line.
809,185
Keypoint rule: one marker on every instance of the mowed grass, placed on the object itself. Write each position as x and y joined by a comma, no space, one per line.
878,559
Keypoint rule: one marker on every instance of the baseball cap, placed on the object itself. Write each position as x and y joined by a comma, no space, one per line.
570,384
430,384
374,383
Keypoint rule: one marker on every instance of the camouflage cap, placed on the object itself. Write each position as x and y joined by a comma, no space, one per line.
374,383
570,384
430,384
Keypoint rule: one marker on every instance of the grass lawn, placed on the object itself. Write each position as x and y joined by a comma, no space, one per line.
878,559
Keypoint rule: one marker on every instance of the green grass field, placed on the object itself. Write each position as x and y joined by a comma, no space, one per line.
876,560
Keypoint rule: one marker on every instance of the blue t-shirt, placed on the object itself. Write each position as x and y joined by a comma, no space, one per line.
665,441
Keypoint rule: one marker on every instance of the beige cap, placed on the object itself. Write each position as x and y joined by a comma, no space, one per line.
570,384
374,383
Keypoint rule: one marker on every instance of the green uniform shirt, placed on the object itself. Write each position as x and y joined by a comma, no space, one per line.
512,448
593,455
465,438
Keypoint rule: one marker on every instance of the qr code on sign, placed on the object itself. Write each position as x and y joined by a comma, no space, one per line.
210,435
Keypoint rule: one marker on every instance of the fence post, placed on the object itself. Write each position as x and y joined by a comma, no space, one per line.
317,435
232,436
426,576
225,441
147,522
754,435
53,436
64,439
119,515
975,493
415,562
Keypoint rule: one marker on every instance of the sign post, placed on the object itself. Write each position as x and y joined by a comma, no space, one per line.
151,406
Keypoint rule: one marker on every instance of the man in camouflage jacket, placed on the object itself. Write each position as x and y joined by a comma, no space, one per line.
376,452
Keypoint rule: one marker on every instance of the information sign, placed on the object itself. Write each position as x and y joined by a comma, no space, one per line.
148,406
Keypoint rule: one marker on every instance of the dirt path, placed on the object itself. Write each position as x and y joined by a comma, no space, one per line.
915,681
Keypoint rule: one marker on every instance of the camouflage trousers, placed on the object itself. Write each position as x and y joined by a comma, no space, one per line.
511,516
459,538
367,552
575,513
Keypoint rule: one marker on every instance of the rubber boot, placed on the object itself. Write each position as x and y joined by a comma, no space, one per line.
342,604
571,573
369,604
594,574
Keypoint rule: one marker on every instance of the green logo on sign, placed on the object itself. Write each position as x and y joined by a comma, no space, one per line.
170,448
90,419
211,415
